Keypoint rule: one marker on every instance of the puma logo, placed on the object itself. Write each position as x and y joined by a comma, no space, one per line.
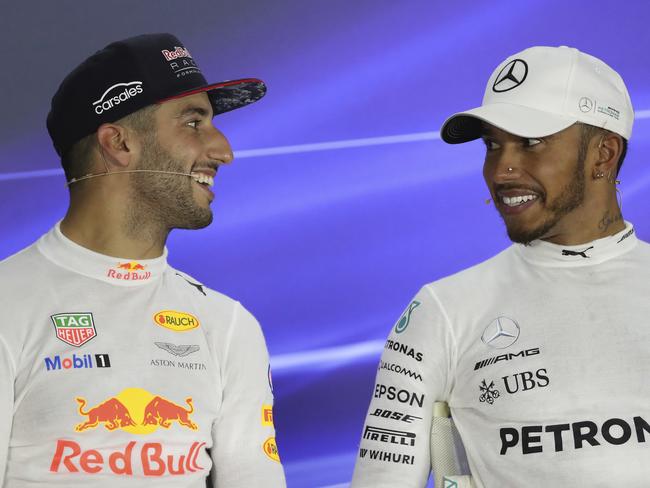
566,252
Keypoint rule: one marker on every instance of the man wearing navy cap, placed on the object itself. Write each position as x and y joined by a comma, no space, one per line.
115,368
541,352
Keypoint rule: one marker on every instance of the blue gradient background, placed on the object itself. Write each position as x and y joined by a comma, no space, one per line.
324,245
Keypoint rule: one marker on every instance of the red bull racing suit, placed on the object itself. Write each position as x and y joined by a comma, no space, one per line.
122,373
543,355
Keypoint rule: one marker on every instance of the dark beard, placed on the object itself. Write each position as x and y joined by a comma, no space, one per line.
571,197
163,200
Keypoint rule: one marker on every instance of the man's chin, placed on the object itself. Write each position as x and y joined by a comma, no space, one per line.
520,237
521,230
198,220
523,234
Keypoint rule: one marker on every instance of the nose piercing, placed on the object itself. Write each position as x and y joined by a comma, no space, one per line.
509,169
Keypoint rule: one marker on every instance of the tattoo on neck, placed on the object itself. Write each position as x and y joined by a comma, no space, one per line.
608,220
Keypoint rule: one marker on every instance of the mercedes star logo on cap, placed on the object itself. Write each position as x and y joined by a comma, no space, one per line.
511,76
502,332
585,104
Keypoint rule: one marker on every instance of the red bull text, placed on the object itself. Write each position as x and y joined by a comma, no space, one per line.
150,457
131,271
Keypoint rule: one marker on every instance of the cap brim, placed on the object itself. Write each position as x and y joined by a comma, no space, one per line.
228,95
515,119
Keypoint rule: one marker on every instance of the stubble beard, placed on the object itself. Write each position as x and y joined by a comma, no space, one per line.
164,201
571,197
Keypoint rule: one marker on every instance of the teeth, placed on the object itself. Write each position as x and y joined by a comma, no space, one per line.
203,179
514,201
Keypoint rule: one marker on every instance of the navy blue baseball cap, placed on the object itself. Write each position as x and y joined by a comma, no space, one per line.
132,74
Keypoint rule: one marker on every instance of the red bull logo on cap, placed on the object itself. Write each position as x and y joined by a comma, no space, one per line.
135,411
130,271
176,321
178,52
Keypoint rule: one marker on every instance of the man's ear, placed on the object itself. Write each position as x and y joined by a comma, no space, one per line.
608,152
118,144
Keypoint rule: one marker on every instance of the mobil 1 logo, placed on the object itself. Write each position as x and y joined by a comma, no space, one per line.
77,361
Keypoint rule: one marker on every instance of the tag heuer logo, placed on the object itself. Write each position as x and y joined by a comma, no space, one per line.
74,328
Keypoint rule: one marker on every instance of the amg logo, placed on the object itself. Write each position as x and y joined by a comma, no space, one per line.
384,456
614,431
390,436
506,357
396,368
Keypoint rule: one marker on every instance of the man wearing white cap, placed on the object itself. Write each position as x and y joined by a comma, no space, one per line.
542,351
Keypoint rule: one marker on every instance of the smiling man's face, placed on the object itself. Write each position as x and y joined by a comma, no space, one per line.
185,141
537,184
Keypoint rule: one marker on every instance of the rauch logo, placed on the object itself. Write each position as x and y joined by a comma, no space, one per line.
176,321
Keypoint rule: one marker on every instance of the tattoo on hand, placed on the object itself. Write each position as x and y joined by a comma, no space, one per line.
608,220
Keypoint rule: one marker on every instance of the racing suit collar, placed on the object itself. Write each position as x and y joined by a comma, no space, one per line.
118,271
590,253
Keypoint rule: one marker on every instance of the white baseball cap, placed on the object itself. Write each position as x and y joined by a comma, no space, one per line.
543,90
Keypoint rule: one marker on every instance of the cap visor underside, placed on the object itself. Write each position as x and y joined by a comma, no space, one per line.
229,95
515,119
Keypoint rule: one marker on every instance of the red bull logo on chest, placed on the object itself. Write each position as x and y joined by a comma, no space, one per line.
74,328
139,412
136,411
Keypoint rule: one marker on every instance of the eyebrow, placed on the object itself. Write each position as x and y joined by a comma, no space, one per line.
193,110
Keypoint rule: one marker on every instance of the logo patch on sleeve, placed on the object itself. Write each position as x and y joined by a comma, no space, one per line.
267,415
271,449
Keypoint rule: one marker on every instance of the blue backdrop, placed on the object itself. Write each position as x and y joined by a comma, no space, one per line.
342,201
